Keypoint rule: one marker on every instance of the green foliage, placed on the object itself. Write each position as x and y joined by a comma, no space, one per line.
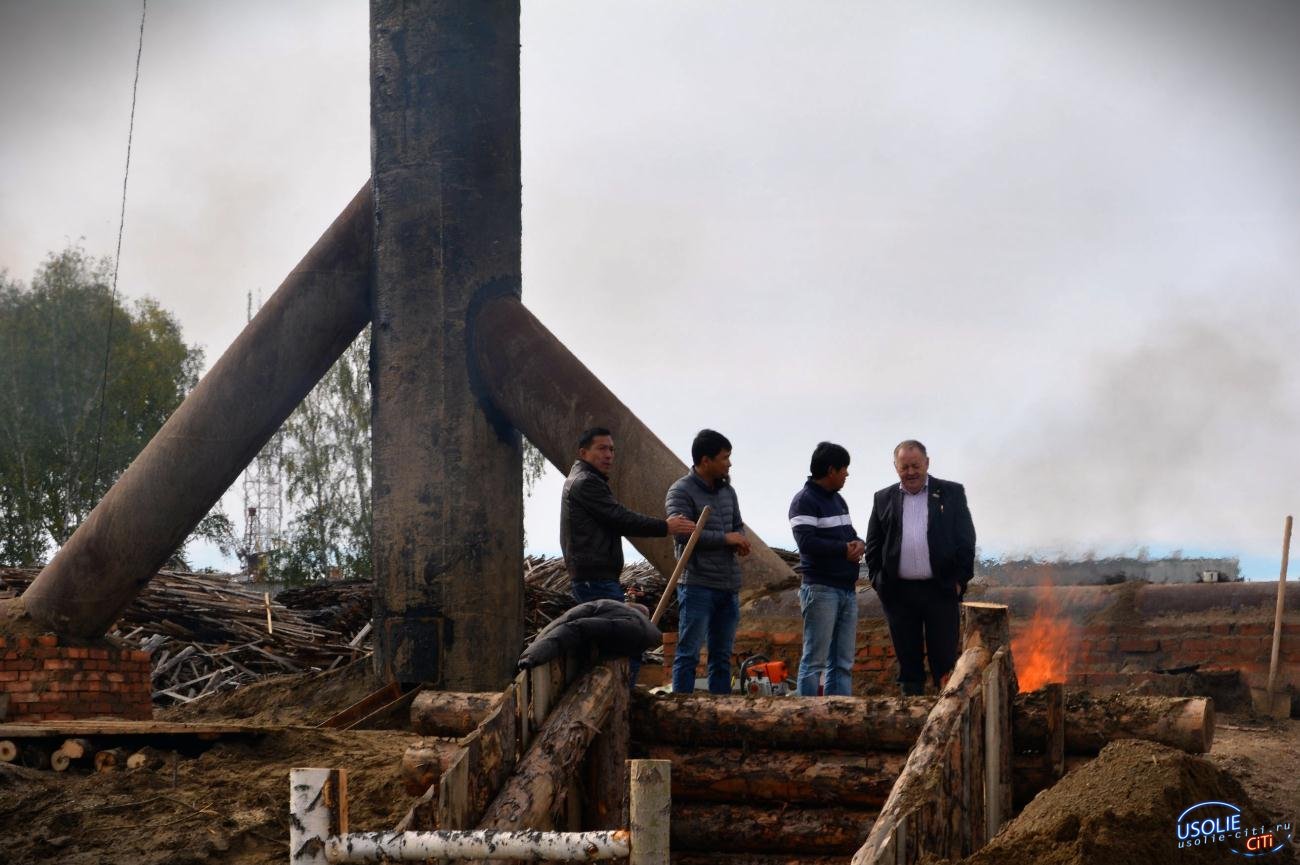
325,460
326,464
53,335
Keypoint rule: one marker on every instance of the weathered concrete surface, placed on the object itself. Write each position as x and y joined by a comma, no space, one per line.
448,498
199,452
541,388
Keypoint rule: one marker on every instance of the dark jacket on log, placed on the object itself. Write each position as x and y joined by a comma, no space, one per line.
593,525
614,627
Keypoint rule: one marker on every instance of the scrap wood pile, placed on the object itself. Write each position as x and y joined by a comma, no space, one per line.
206,634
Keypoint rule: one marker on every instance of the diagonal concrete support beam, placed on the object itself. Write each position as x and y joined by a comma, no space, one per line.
291,343
550,396
526,373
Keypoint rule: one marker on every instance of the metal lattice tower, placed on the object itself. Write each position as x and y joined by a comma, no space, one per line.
263,499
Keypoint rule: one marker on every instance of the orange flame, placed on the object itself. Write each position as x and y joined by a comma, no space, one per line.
1042,650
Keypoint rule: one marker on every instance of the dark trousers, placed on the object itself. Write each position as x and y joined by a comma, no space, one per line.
924,619
594,590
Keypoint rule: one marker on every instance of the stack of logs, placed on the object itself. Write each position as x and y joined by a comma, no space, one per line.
798,779
774,779
79,754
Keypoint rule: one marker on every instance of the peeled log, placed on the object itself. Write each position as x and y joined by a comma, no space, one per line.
423,764
709,827
803,777
1186,723
797,723
534,793
8,751
451,713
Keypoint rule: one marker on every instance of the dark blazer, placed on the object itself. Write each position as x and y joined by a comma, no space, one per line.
951,534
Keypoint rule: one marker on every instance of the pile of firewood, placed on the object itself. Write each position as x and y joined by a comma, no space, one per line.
206,634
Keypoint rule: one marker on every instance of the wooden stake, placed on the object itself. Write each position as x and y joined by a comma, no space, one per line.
266,599
681,565
1277,617
650,807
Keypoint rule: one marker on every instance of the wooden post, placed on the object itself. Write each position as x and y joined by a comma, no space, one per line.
607,779
1054,753
650,810
318,809
987,625
993,736
682,562
447,489
1277,622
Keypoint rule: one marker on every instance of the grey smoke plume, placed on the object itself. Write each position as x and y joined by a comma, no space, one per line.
1185,439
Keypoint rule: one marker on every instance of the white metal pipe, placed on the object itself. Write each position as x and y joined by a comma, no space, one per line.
481,844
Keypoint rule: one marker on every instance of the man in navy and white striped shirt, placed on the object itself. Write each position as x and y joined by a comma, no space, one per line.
829,552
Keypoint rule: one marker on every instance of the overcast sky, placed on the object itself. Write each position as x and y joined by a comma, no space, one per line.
1057,241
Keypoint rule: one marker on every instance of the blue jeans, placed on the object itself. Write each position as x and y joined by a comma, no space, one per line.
830,630
704,612
594,590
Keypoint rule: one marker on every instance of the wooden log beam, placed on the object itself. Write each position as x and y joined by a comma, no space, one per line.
809,723
706,827
607,769
532,797
985,625
798,777
424,762
1186,723
451,713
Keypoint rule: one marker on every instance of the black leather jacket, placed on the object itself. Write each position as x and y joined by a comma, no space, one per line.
593,524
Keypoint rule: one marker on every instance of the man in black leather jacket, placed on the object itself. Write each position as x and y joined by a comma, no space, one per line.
593,523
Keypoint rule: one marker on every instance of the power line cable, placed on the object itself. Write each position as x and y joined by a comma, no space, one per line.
117,258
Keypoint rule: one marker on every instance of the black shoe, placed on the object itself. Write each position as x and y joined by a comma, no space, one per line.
912,689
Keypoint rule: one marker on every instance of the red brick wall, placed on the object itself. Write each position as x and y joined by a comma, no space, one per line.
49,682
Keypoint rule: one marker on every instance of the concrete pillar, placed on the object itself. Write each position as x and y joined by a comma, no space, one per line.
199,452
448,499
550,396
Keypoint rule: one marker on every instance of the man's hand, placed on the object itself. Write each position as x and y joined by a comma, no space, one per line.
739,541
680,525
855,550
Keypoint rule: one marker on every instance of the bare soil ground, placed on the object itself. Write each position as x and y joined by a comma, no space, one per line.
229,804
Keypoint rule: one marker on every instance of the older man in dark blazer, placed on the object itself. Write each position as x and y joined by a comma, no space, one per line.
920,555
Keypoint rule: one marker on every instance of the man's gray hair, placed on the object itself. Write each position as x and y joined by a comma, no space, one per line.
909,444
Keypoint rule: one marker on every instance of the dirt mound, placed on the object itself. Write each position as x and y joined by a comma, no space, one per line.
304,699
1124,807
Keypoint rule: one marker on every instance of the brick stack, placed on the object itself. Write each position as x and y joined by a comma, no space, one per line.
46,681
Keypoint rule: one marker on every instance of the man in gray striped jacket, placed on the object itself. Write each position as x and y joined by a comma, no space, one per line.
708,596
